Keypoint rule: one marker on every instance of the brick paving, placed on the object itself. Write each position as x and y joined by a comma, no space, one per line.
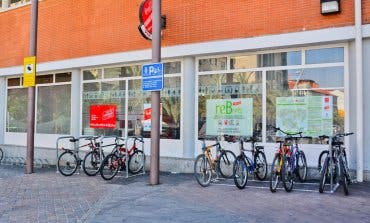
46,196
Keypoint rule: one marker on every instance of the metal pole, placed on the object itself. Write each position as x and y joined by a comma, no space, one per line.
31,92
155,95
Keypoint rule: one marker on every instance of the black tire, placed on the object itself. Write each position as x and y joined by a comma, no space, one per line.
110,166
275,173
343,176
1,154
67,163
91,163
202,170
301,166
136,162
323,175
260,165
226,163
240,172
287,175
321,159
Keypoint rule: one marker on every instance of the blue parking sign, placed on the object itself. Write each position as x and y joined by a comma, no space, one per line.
152,77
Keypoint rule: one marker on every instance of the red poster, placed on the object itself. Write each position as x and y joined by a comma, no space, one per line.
103,116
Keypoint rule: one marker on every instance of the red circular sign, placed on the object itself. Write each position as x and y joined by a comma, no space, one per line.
145,16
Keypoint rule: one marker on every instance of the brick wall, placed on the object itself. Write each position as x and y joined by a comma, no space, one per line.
71,29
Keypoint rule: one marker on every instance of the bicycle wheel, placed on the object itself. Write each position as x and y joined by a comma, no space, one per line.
91,163
321,159
343,176
260,165
202,170
136,162
110,166
275,172
301,166
1,154
323,175
240,172
67,163
287,174
225,163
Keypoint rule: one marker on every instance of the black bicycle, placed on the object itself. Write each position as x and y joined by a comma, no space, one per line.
244,165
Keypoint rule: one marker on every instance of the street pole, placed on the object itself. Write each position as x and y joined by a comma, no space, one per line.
31,92
155,95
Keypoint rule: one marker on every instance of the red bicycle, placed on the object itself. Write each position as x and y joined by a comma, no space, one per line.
117,160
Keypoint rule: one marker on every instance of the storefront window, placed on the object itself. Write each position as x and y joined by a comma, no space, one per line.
16,116
279,59
328,55
246,85
54,109
212,64
92,74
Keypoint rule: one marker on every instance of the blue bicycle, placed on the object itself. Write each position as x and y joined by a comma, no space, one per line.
244,165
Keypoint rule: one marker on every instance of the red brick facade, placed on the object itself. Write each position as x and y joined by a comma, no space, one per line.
71,29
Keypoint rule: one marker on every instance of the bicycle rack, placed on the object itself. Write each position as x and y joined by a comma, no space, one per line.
127,156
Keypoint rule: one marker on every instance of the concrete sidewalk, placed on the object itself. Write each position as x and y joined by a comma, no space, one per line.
46,196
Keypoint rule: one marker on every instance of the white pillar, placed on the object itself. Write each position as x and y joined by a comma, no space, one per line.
188,108
5,4
75,103
4,110
359,95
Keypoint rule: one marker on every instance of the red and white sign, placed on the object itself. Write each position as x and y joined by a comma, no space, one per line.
145,16
103,116
147,119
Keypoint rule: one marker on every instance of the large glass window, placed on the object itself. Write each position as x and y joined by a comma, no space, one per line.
327,55
16,115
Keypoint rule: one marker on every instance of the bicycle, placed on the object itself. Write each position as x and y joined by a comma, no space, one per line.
205,164
69,160
335,163
244,165
1,154
116,160
291,162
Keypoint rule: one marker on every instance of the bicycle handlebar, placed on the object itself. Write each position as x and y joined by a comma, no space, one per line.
338,135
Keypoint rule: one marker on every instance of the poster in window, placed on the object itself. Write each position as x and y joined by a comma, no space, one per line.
103,116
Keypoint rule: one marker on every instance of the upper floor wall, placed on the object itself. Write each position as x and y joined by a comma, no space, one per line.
71,29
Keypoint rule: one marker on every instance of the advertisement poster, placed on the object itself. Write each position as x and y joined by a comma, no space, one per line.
103,116
229,117
312,115
147,124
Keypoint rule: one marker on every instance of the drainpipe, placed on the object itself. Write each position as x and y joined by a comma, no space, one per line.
359,94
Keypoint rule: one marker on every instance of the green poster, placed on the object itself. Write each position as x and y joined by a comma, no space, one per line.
229,117
312,115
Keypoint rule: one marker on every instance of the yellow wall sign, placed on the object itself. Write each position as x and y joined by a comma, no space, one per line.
29,71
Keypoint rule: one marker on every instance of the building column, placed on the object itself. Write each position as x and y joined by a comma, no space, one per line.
2,105
188,110
75,103
5,4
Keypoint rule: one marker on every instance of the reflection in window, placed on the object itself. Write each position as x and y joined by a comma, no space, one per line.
63,77
230,86
54,109
92,74
172,67
44,79
279,59
243,62
328,55
212,64
127,71
14,82
288,83
16,116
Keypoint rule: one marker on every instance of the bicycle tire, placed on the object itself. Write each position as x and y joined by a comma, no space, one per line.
226,163
1,154
110,166
202,170
136,162
301,168
91,163
260,165
323,175
240,172
275,173
321,159
67,163
287,175
343,176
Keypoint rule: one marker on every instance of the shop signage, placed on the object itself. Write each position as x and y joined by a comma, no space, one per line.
231,89
312,115
29,71
145,16
147,119
152,77
229,116
103,116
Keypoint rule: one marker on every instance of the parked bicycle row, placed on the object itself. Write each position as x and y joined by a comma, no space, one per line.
289,163
97,161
